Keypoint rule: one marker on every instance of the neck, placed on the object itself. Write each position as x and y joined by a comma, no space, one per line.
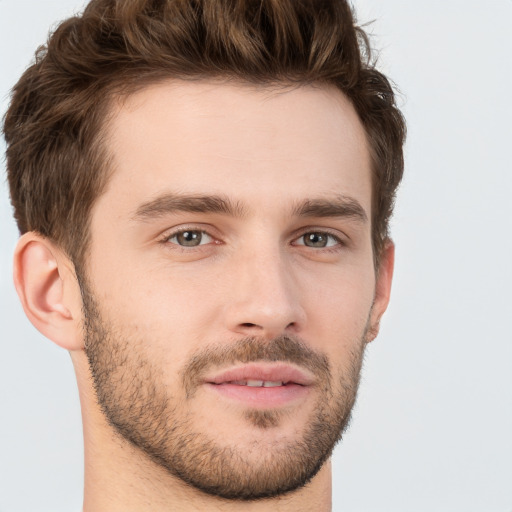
120,477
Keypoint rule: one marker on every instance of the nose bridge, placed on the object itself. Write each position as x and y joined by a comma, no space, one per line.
265,300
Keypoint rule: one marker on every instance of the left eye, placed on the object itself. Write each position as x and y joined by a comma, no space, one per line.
190,238
318,239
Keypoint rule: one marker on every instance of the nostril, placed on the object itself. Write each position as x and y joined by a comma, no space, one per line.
248,324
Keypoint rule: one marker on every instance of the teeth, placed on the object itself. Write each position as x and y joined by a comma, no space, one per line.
255,383
270,384
258,383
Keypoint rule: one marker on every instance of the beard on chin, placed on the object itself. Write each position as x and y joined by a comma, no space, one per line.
131,392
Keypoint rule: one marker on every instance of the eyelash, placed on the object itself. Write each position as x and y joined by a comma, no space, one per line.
330,237
166,240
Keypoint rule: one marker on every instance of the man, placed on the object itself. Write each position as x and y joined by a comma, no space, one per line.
203,191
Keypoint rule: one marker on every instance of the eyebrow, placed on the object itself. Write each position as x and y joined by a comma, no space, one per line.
338,206
171,203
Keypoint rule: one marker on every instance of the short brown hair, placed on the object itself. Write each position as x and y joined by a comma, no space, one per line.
57,164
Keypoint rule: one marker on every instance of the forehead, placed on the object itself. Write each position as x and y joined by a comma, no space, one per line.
251,142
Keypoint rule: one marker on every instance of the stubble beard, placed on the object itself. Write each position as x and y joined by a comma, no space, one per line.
131,393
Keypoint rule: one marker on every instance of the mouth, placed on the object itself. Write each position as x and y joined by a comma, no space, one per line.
262,385
259,383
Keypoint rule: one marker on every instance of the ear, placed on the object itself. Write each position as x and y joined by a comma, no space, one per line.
45,280
382,289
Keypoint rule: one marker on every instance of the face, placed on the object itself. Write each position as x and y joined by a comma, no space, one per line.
230,286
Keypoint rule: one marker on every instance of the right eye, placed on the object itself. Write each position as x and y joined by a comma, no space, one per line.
190,238
318,240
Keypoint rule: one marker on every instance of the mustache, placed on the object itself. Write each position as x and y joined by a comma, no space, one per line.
285,348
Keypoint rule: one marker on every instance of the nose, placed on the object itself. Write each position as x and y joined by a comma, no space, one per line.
264,298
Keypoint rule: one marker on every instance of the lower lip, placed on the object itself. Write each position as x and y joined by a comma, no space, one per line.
262,397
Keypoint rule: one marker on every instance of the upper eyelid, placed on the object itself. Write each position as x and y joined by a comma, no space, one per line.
338,239
171,232
165,240
335,233
178,232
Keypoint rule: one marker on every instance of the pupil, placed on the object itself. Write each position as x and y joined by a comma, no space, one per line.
315,240
189,238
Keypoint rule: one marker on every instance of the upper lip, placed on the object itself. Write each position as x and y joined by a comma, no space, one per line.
268,372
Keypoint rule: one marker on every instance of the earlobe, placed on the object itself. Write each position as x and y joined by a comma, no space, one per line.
48,290
382,289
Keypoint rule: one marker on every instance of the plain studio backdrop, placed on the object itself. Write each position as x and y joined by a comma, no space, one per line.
432,428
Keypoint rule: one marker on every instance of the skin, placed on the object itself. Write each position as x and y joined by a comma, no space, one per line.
265,151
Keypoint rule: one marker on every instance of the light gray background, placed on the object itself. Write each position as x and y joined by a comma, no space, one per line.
432,430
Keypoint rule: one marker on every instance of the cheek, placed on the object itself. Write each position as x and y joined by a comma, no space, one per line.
167,312
338,306
178,308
